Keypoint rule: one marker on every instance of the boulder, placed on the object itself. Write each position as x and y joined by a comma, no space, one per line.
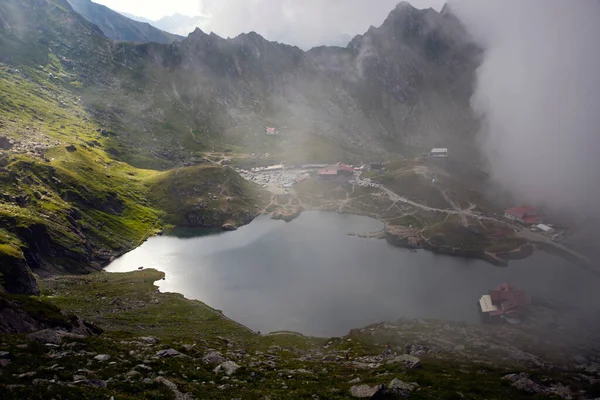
71,148
149,340
168,353
229,227
409,361
4,355
53,336
102,357
133,374
173,387
228,367
364,391
213,358
396,389
522,382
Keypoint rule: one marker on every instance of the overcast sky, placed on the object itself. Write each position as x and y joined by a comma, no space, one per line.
305,23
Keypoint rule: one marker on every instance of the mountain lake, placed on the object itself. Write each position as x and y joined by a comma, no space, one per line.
310,276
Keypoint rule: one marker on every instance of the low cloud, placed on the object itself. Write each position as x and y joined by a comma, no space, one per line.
538,94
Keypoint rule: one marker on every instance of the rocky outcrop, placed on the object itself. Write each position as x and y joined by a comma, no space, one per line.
287,214
16,276
44,321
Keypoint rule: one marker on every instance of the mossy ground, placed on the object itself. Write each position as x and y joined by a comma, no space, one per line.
282,366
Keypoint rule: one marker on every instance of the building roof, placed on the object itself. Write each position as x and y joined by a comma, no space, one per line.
270,129
520,212
485,302
544,227
439,150
328,171
507,293
345,168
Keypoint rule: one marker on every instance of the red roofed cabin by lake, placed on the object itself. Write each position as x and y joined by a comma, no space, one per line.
523,214
503,302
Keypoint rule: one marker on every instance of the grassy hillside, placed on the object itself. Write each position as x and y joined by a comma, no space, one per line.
205,196
139,322
67,204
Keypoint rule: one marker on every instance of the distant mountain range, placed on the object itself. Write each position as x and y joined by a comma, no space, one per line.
119,27
177,24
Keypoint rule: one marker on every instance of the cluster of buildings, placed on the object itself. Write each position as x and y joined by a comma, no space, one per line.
529,216
336,170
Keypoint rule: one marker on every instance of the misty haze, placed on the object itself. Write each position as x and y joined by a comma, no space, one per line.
278,199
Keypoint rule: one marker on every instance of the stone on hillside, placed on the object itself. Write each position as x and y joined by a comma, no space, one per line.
53,336
522,382
133,374
71,148
4,363
102,357
228,227
168,353
364,391
409,361
96,383
4,355
27,375
78,378
355,380
228,367
149,340
396,389
173,387
214,358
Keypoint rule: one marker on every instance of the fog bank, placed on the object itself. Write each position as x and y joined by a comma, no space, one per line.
538,94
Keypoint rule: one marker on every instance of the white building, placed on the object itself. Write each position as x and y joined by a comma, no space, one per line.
545,228
439,153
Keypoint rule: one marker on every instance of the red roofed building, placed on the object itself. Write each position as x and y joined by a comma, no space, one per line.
523,214
504,301
344,169
328,172
271,131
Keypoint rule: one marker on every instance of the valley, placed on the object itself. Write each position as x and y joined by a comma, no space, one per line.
108,145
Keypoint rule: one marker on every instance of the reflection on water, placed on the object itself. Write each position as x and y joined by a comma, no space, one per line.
310,276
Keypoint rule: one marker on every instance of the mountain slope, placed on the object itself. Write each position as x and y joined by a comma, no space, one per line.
88,124
65,204
402,87
118,27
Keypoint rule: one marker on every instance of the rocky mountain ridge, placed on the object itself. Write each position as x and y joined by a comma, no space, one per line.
118,27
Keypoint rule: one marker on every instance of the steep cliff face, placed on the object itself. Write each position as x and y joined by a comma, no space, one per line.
403,86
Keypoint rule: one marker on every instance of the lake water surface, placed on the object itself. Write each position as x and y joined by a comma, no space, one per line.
310,276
